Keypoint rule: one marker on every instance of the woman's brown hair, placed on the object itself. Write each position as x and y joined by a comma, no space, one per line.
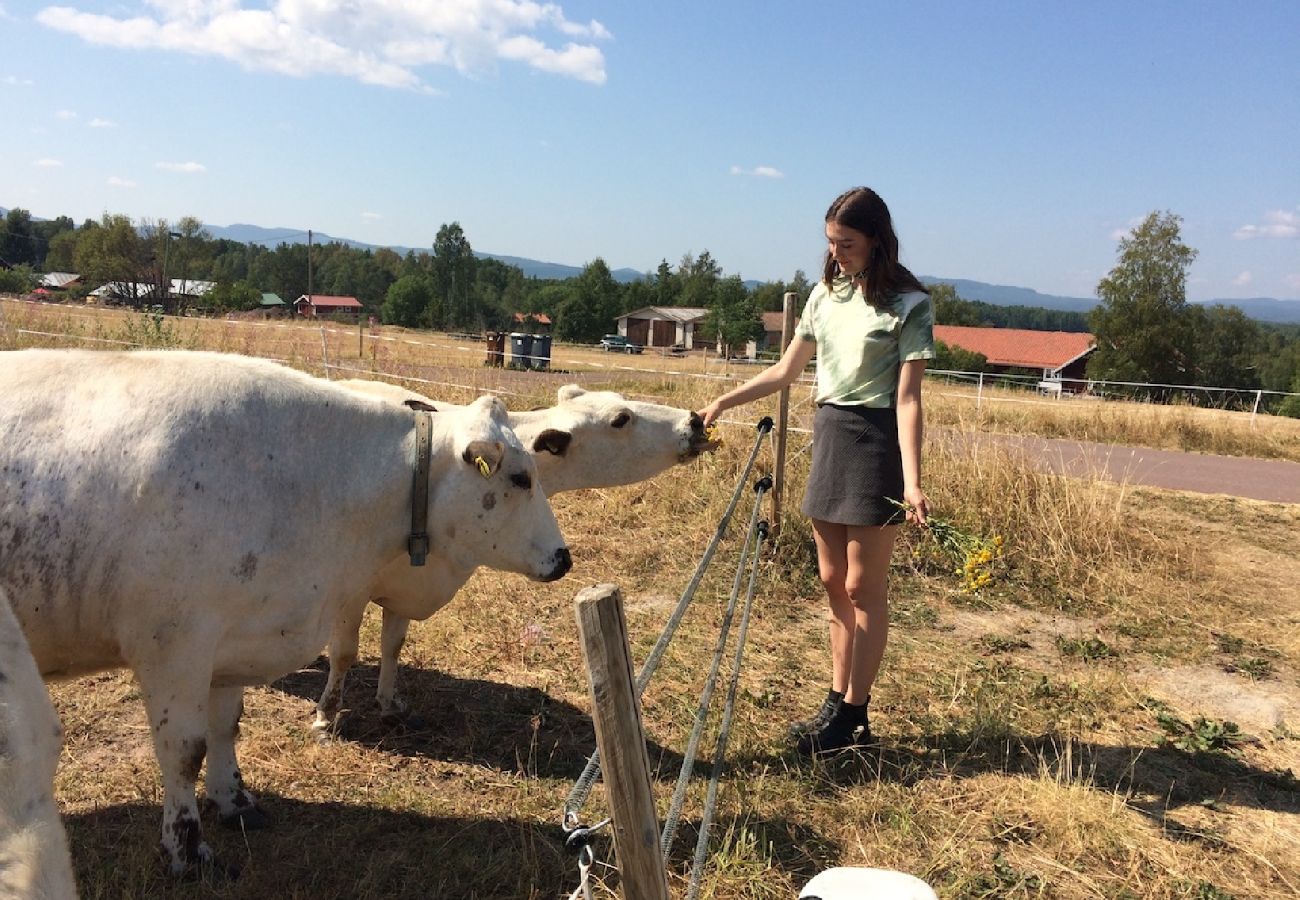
862,210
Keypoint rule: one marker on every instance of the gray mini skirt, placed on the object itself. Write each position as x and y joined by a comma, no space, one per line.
856,466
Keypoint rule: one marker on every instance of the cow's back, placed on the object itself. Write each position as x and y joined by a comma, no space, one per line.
34,861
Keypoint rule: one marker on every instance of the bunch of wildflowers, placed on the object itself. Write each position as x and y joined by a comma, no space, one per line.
973,557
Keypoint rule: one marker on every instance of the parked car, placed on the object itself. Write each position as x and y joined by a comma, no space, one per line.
616,343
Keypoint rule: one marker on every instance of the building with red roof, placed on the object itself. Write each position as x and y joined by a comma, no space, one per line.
1056,355
326,304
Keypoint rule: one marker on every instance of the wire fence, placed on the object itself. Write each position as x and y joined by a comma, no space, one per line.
445,361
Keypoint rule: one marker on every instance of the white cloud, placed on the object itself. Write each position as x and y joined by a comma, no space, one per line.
66,115
380,42
758,171
15,81
371,216
48,163
186,168
1278,223
102,123
1243,279
115,181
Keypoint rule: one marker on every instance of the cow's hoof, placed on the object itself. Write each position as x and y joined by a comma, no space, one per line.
203,867
252,818
324,734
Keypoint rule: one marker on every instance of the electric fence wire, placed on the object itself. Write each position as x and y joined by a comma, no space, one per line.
582,788
724,730
673,815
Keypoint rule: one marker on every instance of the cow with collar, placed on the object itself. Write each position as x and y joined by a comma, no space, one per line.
588,439
203,519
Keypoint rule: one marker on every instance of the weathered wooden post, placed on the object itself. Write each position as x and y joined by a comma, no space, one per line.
782,416
621,742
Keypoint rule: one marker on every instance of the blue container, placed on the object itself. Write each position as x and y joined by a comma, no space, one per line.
521,350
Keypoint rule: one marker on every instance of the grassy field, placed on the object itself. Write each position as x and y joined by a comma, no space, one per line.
1113,712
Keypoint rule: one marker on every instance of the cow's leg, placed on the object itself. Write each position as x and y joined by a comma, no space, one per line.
176,697
225,785
392,708
345,640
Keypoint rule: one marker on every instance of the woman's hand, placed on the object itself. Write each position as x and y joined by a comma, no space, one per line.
710,413
918,505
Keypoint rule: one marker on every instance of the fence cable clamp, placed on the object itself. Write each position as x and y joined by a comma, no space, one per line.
579,837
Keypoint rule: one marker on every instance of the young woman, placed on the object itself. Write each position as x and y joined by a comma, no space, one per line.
871,325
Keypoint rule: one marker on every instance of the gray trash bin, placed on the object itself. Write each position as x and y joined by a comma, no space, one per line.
541,351
521,349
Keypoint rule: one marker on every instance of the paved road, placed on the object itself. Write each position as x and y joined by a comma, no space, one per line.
1274,480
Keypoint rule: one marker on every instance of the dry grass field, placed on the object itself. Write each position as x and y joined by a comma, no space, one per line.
1113,713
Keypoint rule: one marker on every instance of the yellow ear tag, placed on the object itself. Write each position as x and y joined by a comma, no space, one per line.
483,468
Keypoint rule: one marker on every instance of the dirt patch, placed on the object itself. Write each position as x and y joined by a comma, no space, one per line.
1259,707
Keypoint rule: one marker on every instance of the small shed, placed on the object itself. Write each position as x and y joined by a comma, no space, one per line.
314,305
271,302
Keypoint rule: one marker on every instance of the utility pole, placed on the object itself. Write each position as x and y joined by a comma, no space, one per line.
310,301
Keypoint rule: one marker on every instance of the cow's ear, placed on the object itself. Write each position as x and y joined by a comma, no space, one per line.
552,440
419,405
569,392
486,455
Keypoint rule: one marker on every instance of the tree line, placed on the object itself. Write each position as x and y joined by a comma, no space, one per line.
1145,329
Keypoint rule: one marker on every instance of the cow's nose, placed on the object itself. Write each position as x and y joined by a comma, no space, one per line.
563,563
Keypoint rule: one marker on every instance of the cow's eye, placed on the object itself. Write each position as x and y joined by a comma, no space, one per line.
521,480
621,419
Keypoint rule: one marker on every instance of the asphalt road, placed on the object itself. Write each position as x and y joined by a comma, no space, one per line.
1273,480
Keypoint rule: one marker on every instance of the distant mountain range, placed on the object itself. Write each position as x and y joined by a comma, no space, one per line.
1264,309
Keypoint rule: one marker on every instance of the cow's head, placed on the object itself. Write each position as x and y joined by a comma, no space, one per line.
601,439
487,508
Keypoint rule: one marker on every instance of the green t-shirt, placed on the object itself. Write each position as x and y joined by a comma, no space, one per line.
859,347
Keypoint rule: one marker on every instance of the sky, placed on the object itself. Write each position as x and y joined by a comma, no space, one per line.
1015,142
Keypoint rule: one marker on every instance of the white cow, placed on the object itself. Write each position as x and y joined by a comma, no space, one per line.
203,519
34,861
589,439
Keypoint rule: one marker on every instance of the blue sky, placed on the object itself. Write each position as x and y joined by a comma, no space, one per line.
1014,142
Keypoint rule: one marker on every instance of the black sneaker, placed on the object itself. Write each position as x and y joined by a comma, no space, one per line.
848,727
820,718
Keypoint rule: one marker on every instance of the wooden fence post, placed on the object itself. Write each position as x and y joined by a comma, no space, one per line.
621,741
782,416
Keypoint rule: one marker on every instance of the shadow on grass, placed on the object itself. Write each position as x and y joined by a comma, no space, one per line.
335,850
490,723
1155,780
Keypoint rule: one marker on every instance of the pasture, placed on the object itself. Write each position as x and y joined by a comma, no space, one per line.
1114,713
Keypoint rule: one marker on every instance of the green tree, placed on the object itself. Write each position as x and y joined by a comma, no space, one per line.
1223,340
698,277
733,319
1142,329
453,272
19,280
951,309
111,251
408,301
230,296
666,285
19,243
62,247
956,359
591,305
